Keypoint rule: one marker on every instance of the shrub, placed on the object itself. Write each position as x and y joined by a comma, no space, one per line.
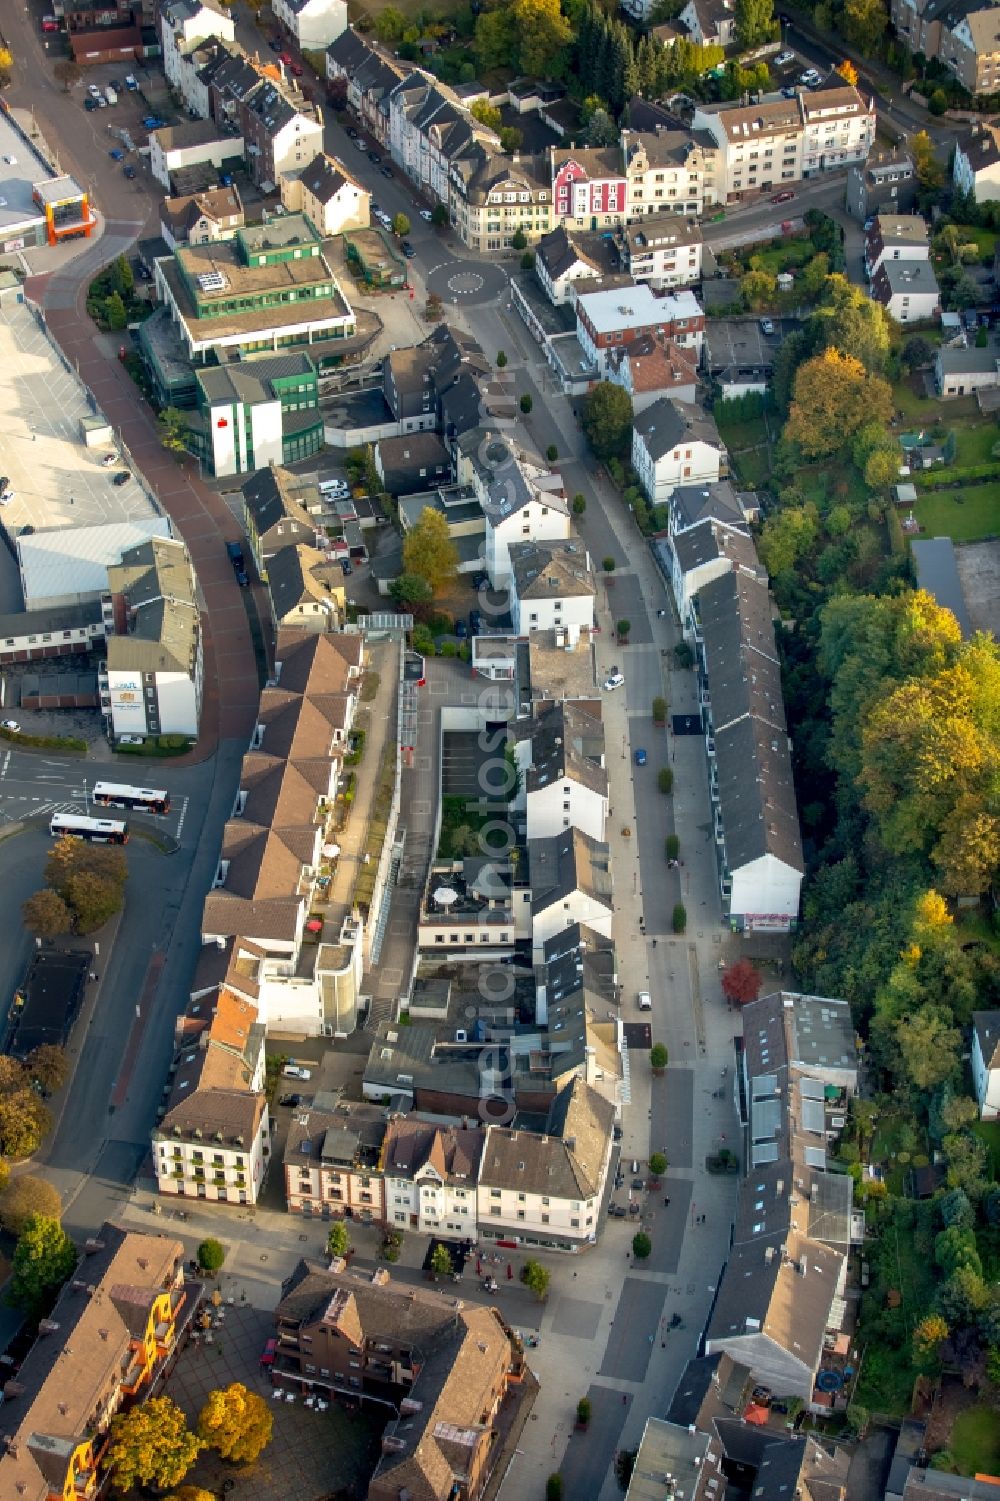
579,504
211,1255
680,917
665,780
657,1164
683,655
658,1056
583,1410
526,403
552,453
659,710
671,850
554,1488
641,1245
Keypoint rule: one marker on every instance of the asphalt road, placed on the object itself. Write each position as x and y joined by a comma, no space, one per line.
36,785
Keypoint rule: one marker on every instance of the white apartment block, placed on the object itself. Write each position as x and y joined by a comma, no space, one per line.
185,23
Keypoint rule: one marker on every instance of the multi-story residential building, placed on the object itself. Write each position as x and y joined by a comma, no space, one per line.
201,218
430,1176
152,679
521,502
700,554
712,23
986,1062
430,128
960,372
569,876
671,170
436,383
368,76
493,196
589,186
552,587
780,1307
674,444
183,25
282,130
885,183
961,34
214,1139
414,462
545,1189
838,126
274,517
328,195
269,288
897,238
361,1337
607,320
560,263
305,588
662,252
561,753
975,166
256,412
908,290
114,1331
650,368
755,816
690,504
333,1156
312,23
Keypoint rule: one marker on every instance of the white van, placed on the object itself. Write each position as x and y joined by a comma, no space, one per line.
645,1001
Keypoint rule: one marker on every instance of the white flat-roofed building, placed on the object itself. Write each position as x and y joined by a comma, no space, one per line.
69,565
606,320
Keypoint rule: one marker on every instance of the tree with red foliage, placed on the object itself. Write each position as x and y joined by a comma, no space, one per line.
741,982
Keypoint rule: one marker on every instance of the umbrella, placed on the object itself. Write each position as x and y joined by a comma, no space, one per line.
444,896
510,1272
314,925
331,851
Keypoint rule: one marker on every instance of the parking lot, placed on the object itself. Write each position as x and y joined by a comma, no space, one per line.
54,478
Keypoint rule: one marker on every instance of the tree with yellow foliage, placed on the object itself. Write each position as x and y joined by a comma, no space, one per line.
848,72
832,398
236,1422
929,1333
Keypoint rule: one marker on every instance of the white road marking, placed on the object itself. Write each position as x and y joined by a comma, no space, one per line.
180,821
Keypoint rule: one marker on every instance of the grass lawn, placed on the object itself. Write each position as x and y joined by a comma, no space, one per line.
461,813
968,234
924,411
974,443
975,1441
785,255
963,515
749,448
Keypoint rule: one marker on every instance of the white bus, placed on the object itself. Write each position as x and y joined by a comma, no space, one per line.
117,795
98,830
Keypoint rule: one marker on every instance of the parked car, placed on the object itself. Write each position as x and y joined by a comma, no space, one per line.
143,273
766,327
475,622
10,724
122,477
783,59
296,1071
386,171
345,564
374,157
131,83
286,58
809,79
360,143
116,154
427,216
296,70
130,740
640,757
291,1100
90,103
617,1211
274,44
785,196
638,1184
129,171
789,91
407,250
351,132
616,680
93,90
461,630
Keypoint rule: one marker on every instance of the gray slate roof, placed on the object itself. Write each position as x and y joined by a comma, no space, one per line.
666,423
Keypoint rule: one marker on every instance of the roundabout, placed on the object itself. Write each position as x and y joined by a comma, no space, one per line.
467,282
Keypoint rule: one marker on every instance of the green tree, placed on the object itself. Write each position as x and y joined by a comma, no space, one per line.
410,590
173,428
659,710
552,453
46,914
24,1198
758,289
641,1245
917,352
931,1332
337,1240
496,39
114,312
583,1411
526,403
754,22
510,141
122,276
191,1493
237,1422
390,25
48,1067
211,1255
658,1056
609,565
882,468
606,418
623,629
501,359
487,114
954,1248
864,23
858,1419
439,215
536,1277
579,504
679,918
930,172
848,320
657,1164
554,1488
430,553
24,1122
928,1046
962,1297
93,900
400,226
788,536
441,1262
601,129
833,397
671,847
151,1445
544,34
44,1258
